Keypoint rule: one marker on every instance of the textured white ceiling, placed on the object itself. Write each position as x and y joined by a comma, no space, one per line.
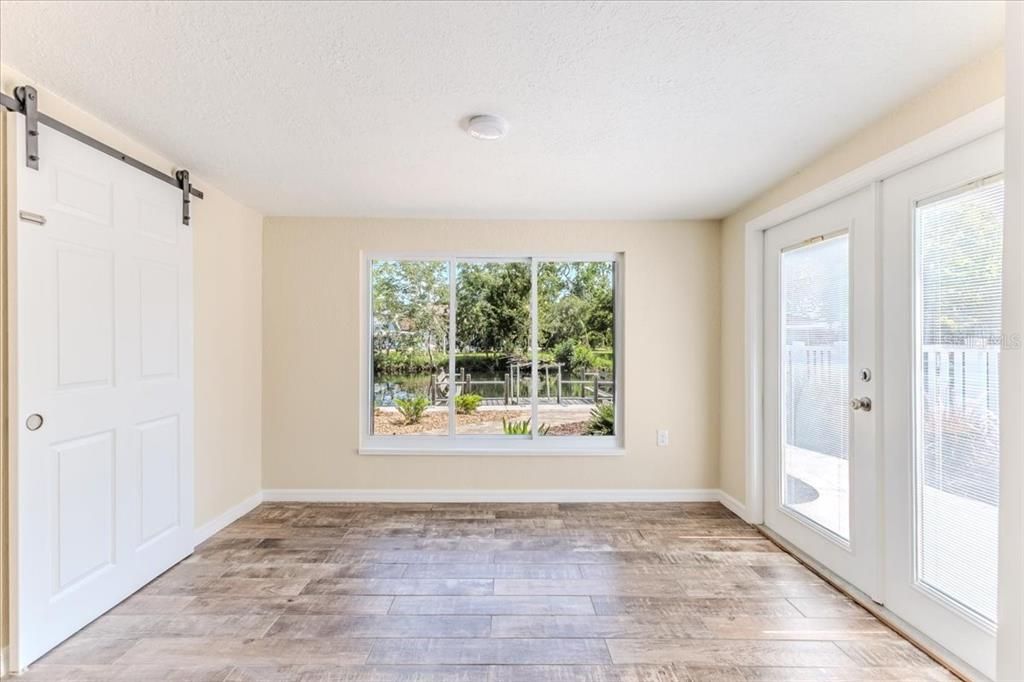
617,110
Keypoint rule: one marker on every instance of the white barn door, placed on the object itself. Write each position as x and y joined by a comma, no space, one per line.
101,343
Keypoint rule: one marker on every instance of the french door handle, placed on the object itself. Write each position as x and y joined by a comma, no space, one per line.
861,404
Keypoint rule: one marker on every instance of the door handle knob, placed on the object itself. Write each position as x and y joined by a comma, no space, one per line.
861,404
34,422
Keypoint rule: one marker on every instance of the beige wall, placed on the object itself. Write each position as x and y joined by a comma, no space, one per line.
311,303
228,251
228,353
964,91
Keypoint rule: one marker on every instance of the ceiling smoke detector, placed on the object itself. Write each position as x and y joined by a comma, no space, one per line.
486,127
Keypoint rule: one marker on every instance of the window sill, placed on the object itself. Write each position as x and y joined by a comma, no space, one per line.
435,451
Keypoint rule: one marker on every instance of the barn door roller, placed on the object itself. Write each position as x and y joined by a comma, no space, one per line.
26,101
186,199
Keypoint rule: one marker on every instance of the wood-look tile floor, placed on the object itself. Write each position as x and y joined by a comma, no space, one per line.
487,592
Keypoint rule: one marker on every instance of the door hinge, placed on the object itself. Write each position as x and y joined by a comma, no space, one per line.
29,99
186,196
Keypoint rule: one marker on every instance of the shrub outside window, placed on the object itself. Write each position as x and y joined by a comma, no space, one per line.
502,353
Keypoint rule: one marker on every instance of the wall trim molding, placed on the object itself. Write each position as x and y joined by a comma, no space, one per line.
227,517
1010,644
237,511
474,495
733,505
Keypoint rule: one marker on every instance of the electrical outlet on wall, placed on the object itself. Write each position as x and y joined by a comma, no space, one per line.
662,437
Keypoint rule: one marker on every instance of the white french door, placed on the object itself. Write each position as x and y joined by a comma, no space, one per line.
102,387
931,476
819,355
942,270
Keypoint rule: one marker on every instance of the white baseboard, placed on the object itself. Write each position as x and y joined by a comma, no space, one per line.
215,525
239,510
733,505
436,495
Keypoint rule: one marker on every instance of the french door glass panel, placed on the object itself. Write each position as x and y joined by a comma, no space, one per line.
956,446
815,370
942,280
819,334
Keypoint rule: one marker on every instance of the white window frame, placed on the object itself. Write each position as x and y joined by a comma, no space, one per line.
455,444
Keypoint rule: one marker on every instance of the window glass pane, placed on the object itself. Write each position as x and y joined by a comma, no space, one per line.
576,328
959,255
492,341
410,347
815,375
